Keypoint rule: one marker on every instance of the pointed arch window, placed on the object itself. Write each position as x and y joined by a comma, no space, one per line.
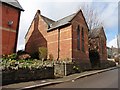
78,37
102,46
83,48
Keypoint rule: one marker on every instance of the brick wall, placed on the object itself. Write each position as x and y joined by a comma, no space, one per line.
66,37
65,43
36,36
9,33
79,54
8,42
102,50
52,42
99,44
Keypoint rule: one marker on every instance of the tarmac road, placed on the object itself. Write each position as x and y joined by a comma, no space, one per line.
108,79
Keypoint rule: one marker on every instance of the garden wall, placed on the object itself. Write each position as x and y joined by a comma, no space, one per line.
13,76
107,64
64,69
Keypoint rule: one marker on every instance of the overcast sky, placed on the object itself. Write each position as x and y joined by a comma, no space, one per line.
57,9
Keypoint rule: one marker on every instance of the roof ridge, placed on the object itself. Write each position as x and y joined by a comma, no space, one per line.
48,18
64,21
65,17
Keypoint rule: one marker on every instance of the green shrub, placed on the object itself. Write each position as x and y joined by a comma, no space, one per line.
42,53
8,64
107,64
11,56
76,68
34,55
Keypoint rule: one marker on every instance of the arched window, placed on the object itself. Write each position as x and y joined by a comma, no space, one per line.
102,46
83,48
78,37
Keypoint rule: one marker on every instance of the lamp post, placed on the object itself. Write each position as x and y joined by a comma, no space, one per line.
118,43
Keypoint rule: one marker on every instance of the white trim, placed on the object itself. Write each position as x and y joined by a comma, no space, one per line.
7,29
60,40
61,31
52,34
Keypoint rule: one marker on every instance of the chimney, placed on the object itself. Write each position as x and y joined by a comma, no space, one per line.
38,11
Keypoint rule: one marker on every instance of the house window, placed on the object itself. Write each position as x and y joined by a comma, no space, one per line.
102,44
83,48
78,38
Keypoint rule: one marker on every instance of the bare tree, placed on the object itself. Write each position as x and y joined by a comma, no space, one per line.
91,16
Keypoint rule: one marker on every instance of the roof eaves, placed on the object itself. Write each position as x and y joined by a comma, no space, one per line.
62,22
50,20
33,21
59,26
30,25
13,4
104,32
83,18
97,32
75,15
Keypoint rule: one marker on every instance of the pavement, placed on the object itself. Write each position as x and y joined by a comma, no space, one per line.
108,79
41,83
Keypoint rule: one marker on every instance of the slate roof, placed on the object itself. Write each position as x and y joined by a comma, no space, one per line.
47,20
61,22
95,32
13,3
55,24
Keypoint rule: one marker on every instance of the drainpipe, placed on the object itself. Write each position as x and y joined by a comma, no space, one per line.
58,44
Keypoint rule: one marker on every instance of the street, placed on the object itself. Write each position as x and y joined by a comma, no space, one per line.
107,79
